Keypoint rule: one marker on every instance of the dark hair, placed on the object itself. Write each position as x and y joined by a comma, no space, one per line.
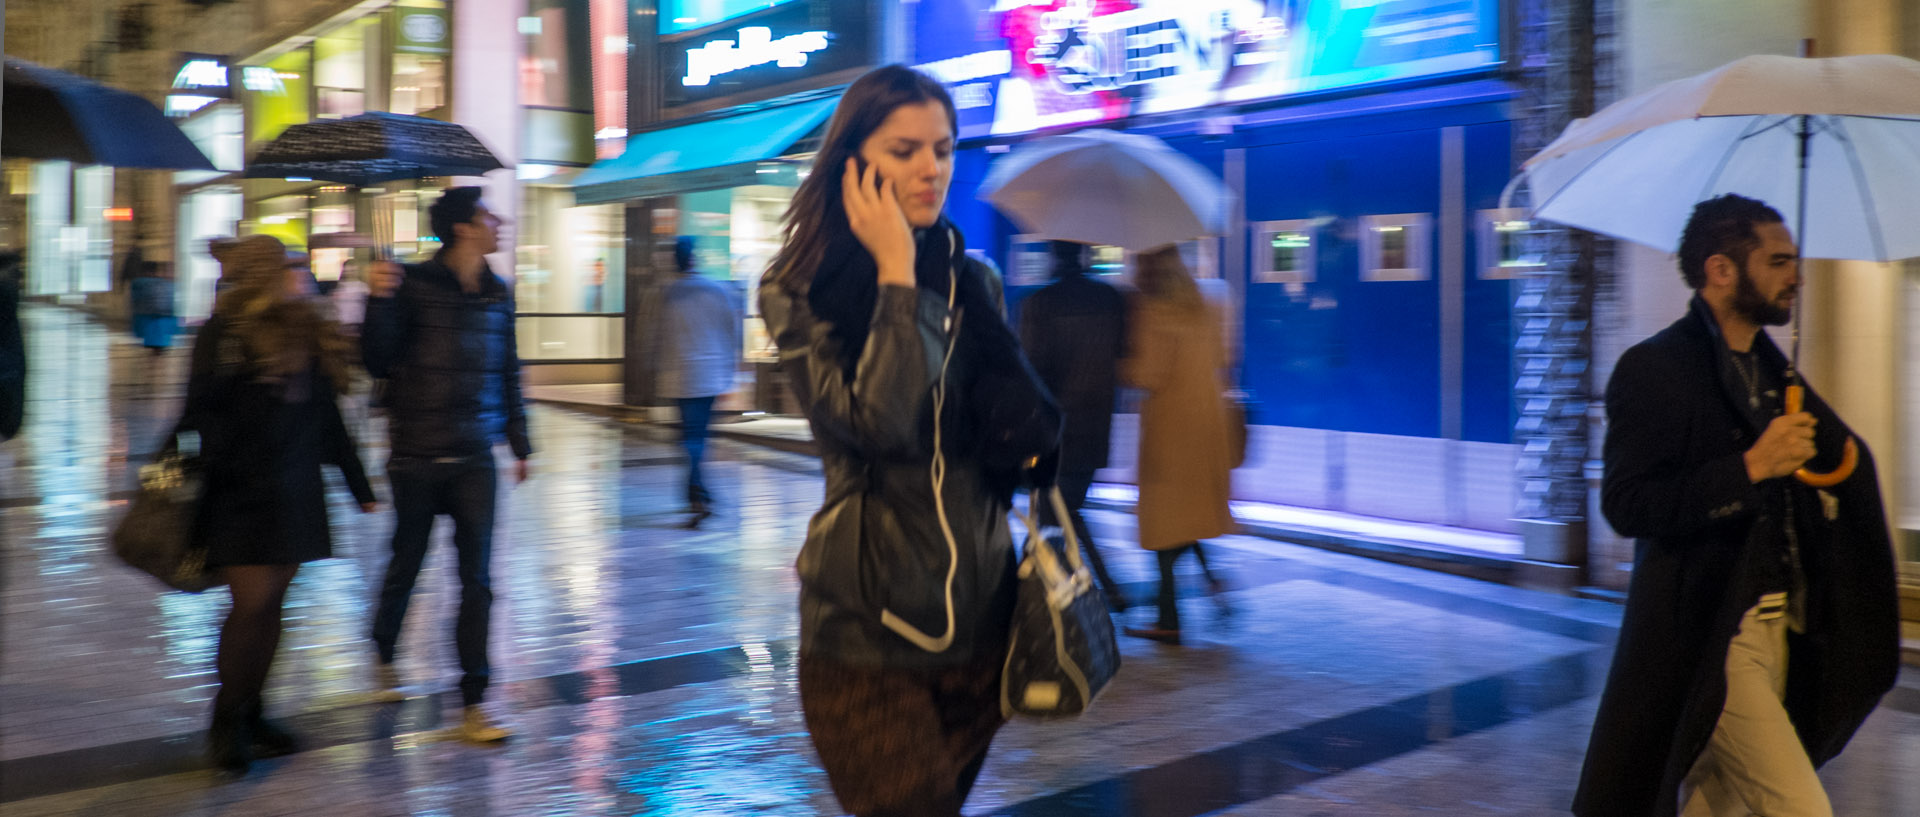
1722,226
816,214
458,205
1068,257
683,253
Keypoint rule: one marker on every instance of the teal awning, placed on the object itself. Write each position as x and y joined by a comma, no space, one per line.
702,156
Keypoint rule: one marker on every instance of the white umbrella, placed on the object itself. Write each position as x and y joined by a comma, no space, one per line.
1833,142
1106,187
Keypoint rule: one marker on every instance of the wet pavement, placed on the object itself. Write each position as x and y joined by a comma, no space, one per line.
650,669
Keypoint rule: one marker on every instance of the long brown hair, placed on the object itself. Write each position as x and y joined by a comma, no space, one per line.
816,214
282,336
1164,279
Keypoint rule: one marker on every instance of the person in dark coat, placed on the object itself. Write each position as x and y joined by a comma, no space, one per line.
442,333
911,380
267,367
1075,332
13,350
1761,625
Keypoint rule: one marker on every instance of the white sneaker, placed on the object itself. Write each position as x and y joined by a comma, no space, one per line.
387,686
476,726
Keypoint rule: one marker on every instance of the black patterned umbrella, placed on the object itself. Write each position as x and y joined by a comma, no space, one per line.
372,147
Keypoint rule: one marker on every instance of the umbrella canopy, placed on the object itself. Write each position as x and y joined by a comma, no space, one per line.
1106,187
373,147
1833,140
52,114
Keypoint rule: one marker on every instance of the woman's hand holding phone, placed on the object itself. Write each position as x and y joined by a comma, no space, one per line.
877,220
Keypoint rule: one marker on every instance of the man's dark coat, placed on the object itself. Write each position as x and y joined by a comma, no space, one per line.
1678,425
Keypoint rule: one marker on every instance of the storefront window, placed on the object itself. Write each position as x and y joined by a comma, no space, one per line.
736,232
570,282
284,218
210,212
72,244
1283,252
277,94
340,71
420,47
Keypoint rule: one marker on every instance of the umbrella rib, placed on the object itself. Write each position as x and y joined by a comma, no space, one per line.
1866,190
1750,131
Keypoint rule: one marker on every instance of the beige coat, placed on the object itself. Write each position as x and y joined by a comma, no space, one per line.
1178,356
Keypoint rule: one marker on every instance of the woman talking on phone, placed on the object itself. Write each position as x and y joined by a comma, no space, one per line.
924,410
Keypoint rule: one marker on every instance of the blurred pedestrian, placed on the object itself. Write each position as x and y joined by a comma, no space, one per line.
153,313
1178,357
914,386
267,367
220,248
597,286
699,354
13,352
1761,624
1075,332
442,334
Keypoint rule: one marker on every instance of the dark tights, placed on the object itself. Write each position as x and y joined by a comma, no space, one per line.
250,635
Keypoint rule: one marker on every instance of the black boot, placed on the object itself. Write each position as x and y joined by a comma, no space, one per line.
269,738
229,740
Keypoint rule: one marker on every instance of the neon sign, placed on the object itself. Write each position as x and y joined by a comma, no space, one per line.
755,46
201,74
780,49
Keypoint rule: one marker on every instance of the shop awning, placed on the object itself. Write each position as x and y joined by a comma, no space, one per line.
701,156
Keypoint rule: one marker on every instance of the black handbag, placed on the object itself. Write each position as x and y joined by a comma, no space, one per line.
156,535
1061,652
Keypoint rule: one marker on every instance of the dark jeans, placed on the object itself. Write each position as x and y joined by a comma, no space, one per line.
1073,492
696,413
422,490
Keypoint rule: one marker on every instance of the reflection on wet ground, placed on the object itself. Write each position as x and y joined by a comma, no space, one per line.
650,669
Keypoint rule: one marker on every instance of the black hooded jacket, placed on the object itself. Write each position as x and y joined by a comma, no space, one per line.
451,362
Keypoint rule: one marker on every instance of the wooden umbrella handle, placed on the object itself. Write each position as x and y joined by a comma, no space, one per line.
1849,457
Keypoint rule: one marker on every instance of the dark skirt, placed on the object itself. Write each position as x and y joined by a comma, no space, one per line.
902,741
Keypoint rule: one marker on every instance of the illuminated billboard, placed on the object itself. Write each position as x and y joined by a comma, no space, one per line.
787,43
1022,65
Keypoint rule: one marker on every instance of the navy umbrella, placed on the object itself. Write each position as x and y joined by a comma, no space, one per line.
52,114
372,147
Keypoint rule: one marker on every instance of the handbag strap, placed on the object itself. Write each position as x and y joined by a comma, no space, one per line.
1030,518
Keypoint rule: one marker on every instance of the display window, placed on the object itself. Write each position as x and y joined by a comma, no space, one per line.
1283,251
340,70
1507,249
1395,247
421,44
277,94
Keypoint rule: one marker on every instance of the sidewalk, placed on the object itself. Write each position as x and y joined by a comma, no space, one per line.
1460,551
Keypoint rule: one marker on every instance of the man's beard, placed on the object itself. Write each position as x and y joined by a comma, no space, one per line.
1750,304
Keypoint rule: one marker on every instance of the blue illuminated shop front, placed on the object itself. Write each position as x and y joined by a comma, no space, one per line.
1367,142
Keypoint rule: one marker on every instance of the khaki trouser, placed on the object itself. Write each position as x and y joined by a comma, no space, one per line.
1754,764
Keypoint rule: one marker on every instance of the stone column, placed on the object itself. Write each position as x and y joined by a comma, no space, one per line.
486,99
1855,326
